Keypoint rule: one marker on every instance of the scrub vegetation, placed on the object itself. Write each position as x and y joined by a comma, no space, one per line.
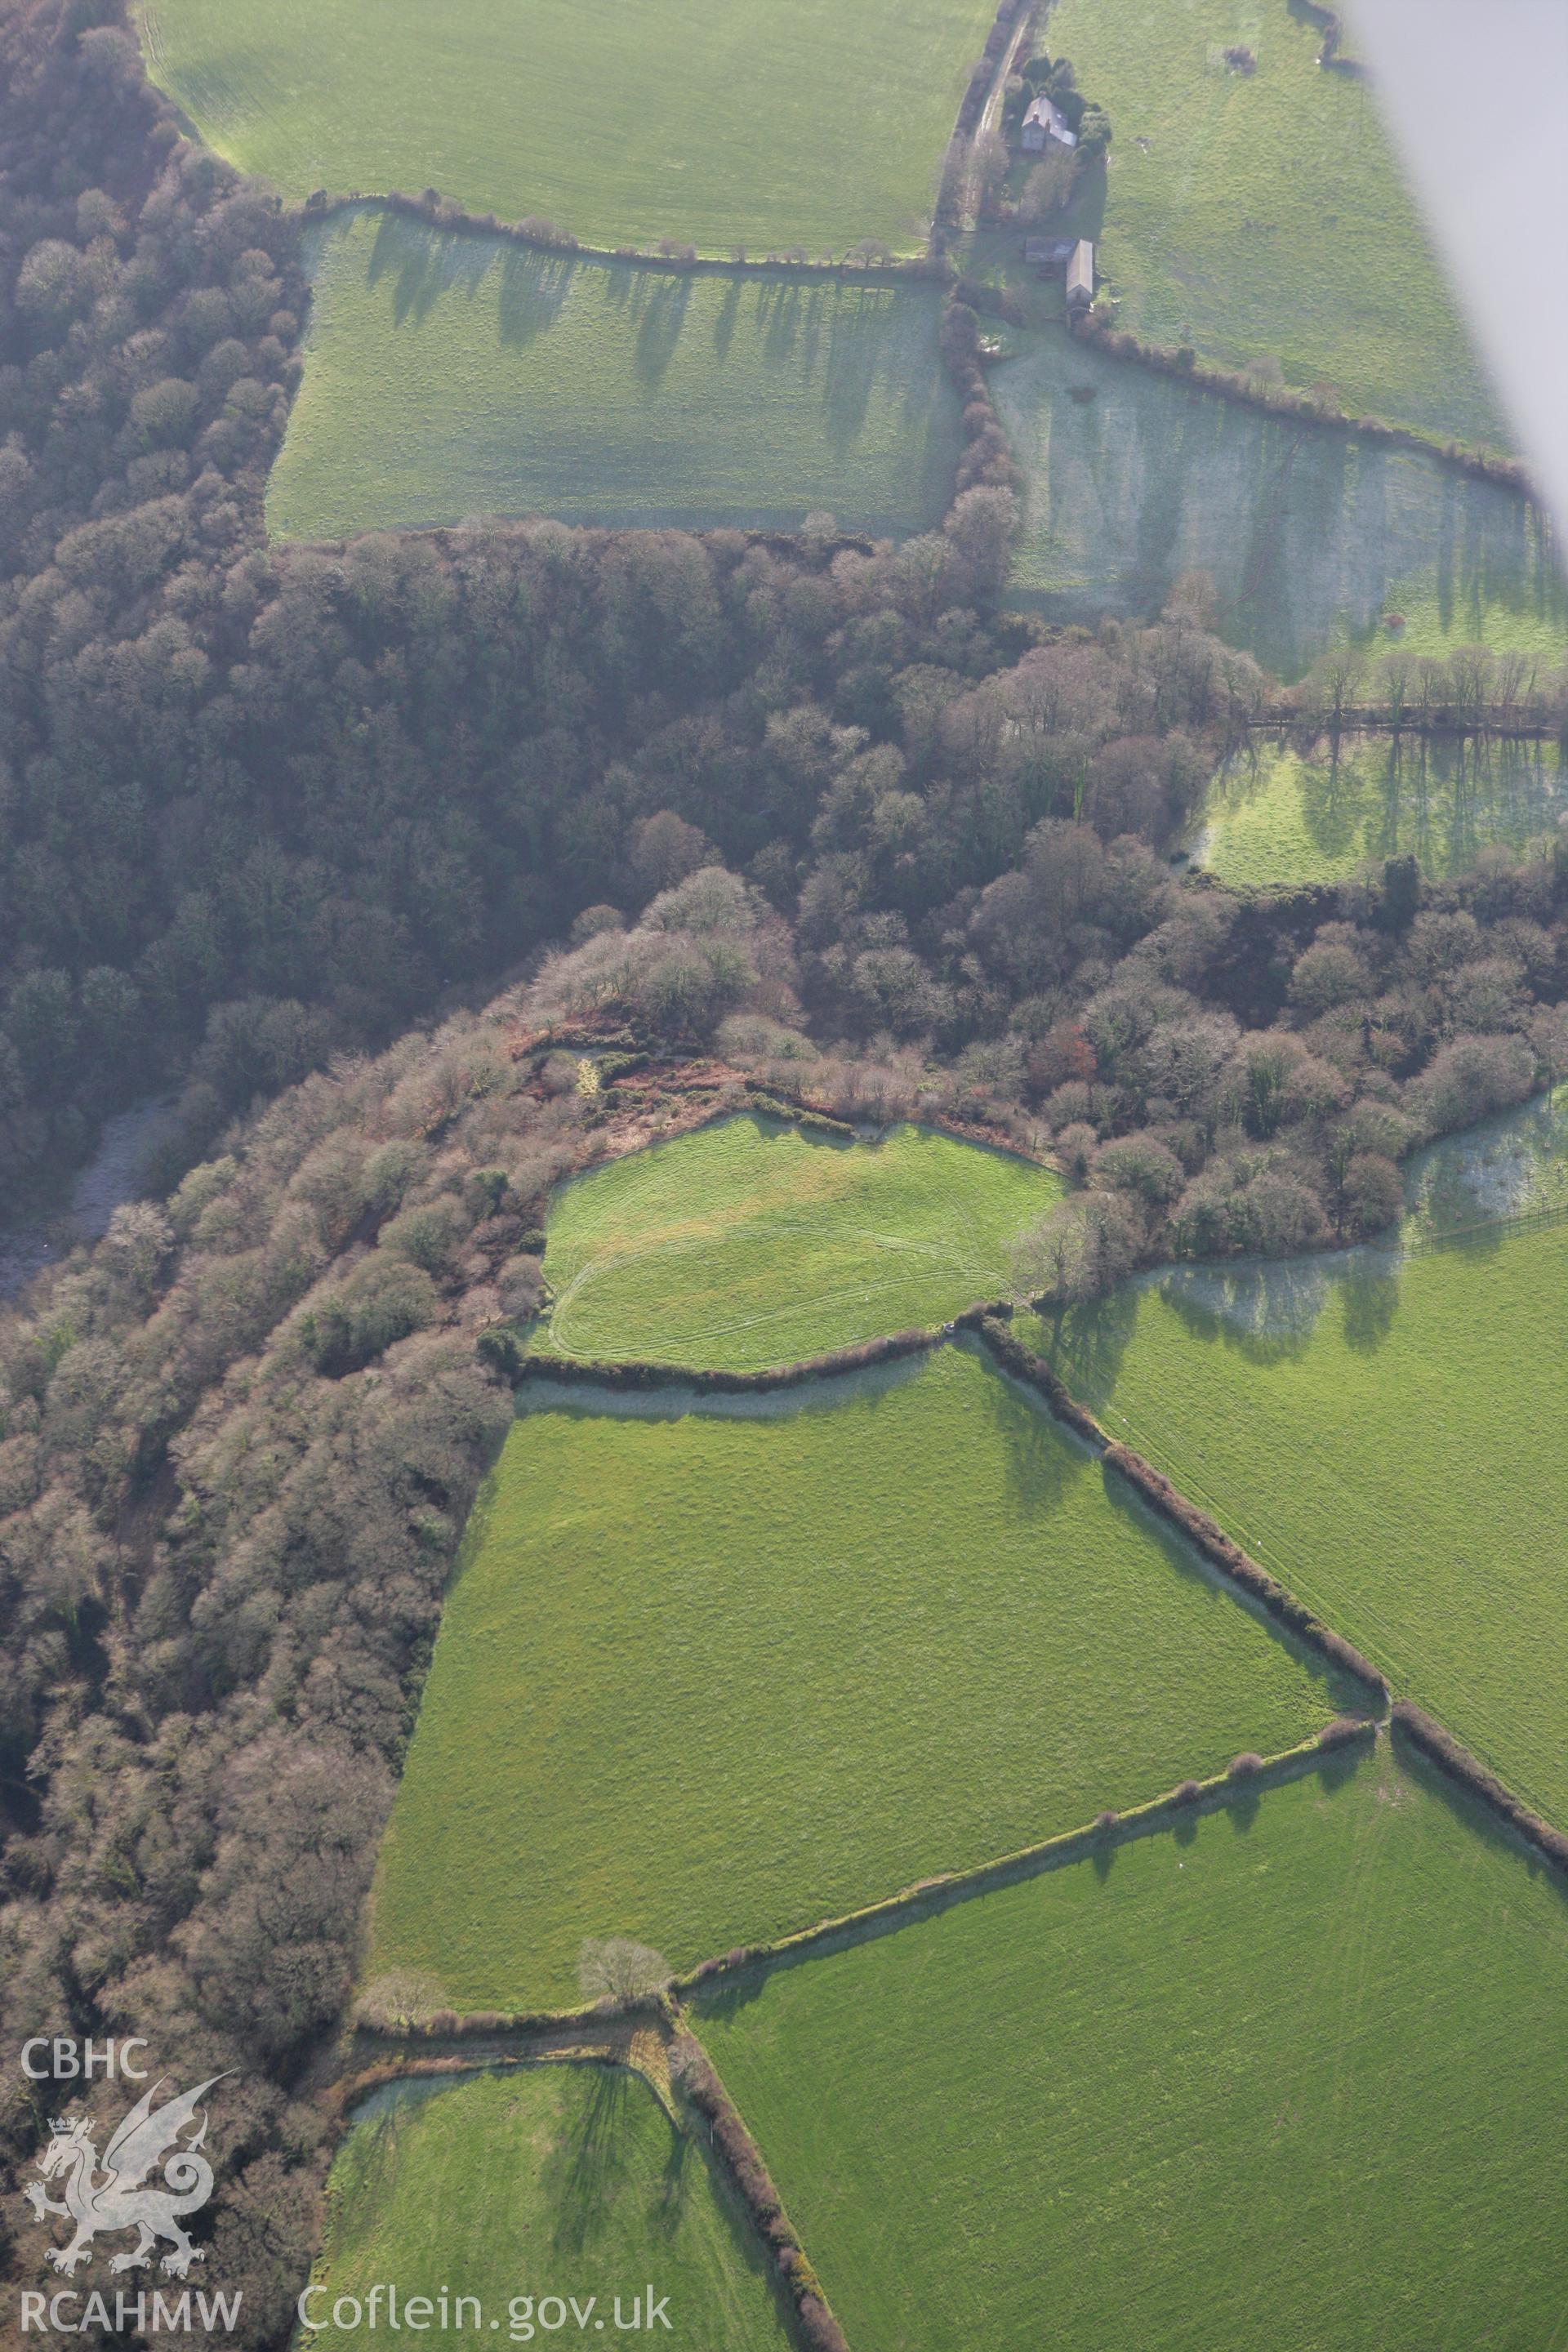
1261,214
1133,2093
754,1243
1279,815
568,2182
709,1676
715,123
454,374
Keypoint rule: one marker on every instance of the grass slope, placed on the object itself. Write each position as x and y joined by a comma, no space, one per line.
1265,214
450,375
712,1676
566,2181
1279,817
763,122
1384,1434
751,1243
1309,534
1296,2082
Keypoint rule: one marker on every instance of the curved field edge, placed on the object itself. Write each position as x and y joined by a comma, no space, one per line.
1044,2099
563,2180
752,1242
715,1671
712,122
1311,533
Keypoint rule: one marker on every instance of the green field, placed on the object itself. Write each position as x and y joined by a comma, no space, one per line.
1276,817
1309,534
1385,1434
716,122
1292,2084
1265,214
751,1243
713,1675
562,2180
449,375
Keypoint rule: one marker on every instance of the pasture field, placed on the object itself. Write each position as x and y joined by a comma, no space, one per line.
713,1675
1292,2078
1276,817
450,374
565,2180
1384,1432
753,1242
1309,534
716,122
1265,214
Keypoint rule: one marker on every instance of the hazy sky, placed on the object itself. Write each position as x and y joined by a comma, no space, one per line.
1477,98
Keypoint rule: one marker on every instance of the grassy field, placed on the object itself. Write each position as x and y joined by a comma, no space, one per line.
751,1243
711,1675
1265,214
564,2181
716,122
449,375
1294,2080
1385,1434
1276,817
1309,534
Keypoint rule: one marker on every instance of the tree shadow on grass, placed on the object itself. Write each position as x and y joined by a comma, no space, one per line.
534,288
1240,1800
659,305
1042,1462
588,2168
425,265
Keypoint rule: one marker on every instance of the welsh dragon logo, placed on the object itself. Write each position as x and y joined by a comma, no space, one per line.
111,2196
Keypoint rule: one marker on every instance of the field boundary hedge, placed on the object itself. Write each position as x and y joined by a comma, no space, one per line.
927,1897
1208,1536
731,2139
1035,1374
634,1373
1521,1221
1285,400
1426,1734
542,236
1201,1531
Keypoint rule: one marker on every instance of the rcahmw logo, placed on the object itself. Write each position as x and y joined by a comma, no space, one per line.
150,2179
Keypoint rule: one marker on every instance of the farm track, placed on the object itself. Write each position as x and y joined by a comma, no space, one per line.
969,201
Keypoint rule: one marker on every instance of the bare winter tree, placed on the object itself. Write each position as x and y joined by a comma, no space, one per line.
614,1968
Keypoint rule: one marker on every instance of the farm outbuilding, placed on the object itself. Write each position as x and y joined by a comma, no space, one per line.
1045,124
1048,252
1080,277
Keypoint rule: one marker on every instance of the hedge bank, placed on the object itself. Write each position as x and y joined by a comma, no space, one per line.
1108,1829
699,2082
1206,1536
1443,1750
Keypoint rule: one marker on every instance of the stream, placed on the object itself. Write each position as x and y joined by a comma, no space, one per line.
112,1176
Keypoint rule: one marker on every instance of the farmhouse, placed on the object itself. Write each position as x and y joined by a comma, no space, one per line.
1044,123
1080,277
